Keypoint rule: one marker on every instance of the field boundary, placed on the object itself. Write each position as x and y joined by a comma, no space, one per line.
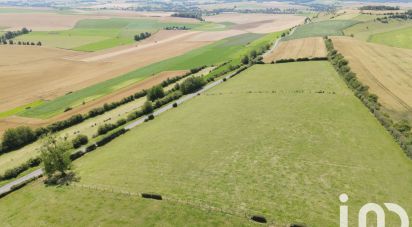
368,99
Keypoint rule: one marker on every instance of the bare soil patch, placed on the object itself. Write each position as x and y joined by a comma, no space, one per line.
386,70
298,48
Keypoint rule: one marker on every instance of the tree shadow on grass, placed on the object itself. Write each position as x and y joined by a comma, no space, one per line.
60,180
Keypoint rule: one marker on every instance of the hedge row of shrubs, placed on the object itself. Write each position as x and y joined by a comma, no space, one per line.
80,140
300,59
103,129
14,172
15,138
401,131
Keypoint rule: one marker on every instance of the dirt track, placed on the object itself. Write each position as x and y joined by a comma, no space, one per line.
386,70
298,48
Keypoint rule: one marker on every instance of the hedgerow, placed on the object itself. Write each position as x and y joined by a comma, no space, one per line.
400,131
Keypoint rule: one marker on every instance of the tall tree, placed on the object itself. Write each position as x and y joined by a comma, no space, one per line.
55,155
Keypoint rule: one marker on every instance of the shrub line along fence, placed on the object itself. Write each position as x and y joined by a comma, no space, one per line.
400,131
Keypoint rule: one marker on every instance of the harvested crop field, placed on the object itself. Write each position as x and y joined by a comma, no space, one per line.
259,23
298,48
42,21
54,74
386,70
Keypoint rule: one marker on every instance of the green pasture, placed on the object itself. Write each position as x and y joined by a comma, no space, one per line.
322,28
364,31
283,141
211,54
99,34
20,109
398,38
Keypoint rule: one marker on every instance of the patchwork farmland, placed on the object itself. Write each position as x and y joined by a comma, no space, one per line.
204,113
205,170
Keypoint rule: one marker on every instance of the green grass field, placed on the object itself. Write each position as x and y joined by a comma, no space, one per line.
264,142
20,109
365,30
230,48
322,28
398,38
99,34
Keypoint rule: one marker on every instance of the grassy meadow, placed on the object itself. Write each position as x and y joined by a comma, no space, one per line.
274,140
322,28
99,34
398,38
215,53
364,31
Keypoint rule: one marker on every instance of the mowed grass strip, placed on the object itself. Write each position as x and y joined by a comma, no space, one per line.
399,38
211,54
322,28
267,141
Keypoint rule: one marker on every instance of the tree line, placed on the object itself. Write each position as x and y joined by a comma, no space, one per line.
13,34
401,130
379,8
15,138
142,36
176,28
195,15
24,43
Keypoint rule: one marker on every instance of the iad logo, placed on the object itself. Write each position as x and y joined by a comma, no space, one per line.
375,208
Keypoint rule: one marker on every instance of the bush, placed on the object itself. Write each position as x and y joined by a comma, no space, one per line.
155,92
170,97
245,60
79,140
147,108
192,84
150,117
15,138
121,122
103,129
